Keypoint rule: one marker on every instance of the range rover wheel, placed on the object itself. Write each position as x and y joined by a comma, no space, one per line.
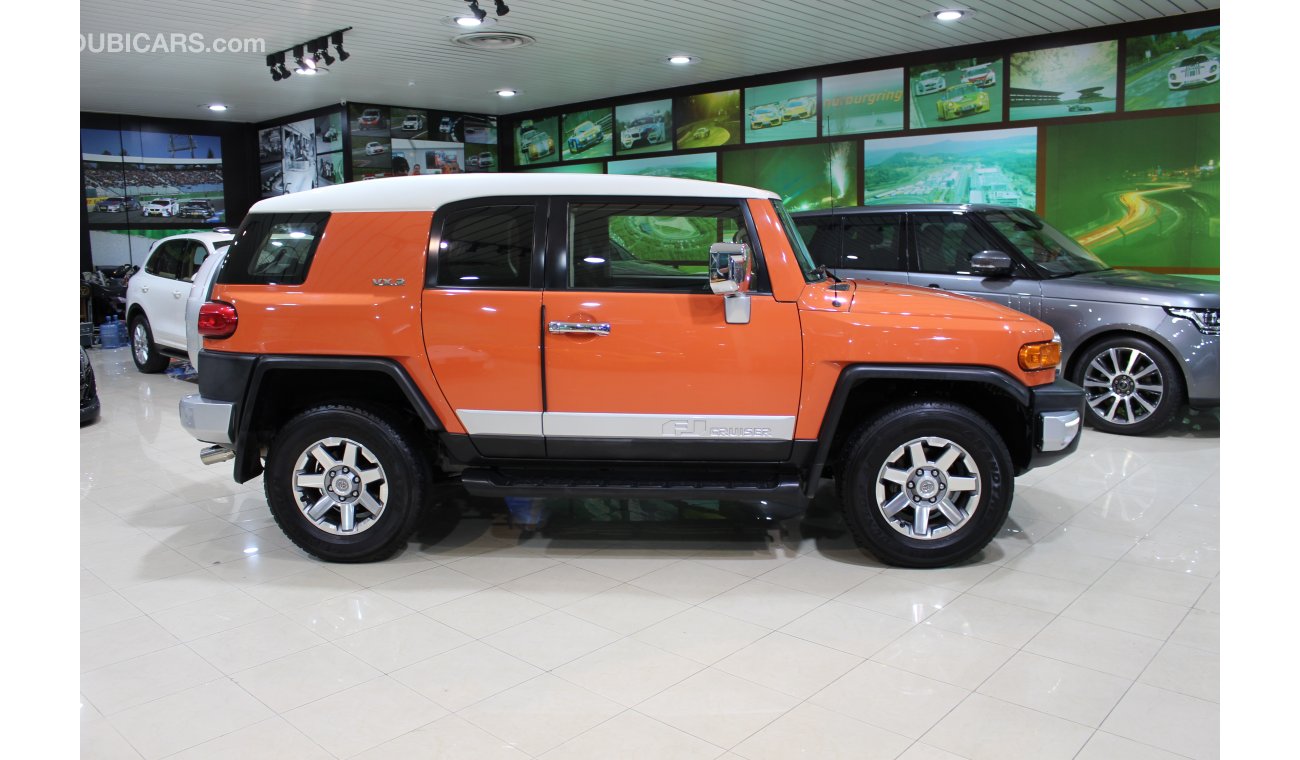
926,484
144,351
1132,385
345,484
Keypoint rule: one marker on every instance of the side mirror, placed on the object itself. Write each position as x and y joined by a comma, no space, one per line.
731,269
991,264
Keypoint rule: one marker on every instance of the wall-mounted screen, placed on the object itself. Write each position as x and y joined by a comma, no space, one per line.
153,177
806,176
1140,193
537,141
1172,70
1077,80
596,167
702,166
956,93
408,123
861,103
329,132
414,157
368,121
476,129
786,111
372,152
644,127
329,169
997,166
588,134
708,120
481,158
299,143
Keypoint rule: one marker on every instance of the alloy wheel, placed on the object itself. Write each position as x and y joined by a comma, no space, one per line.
340,486
1124,385
928,488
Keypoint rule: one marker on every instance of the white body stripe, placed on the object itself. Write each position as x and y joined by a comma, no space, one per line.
596,425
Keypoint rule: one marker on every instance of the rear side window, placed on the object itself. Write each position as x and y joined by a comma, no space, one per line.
486,247
873,241
169,260
273,249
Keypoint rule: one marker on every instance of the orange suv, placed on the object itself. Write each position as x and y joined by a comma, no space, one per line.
606,336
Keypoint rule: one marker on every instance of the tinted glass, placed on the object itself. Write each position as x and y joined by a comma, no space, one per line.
486,247
1043,244
823,237
274,249
168,260
873,241
945,242
660,246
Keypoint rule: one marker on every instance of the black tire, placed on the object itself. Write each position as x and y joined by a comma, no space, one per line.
142,344
982,510
1116,405
405,473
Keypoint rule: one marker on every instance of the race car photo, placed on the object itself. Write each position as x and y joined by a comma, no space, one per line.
1194,69
536,143
962,100
646,129
766,115
161,207
374,148
981,75
413,123
197,209
118,205
799,108
584,136
929,82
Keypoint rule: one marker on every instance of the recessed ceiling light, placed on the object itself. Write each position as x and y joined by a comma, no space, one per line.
681,60
467,21
507,93
217,107
951,14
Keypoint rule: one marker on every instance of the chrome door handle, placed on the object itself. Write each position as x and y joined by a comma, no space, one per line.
176,294
580,328
144,288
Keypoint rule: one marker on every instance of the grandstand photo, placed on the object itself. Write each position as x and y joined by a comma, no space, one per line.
152,177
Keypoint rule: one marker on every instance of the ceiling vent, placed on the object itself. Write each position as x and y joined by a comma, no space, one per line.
491,41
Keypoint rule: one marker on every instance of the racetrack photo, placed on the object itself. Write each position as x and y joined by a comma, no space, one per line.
997,166
708,120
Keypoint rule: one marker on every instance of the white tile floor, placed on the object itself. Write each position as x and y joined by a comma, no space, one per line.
1090,629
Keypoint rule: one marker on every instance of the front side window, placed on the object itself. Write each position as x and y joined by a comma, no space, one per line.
1043,244
946,242
873,241
648,246
486,247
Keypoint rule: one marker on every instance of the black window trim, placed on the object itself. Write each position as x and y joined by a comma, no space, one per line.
557,270
440,215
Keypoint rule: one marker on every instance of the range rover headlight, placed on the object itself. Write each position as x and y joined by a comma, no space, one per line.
1206,320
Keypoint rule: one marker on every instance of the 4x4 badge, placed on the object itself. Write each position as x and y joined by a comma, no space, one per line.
384,281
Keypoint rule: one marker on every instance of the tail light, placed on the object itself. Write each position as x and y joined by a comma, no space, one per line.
217,320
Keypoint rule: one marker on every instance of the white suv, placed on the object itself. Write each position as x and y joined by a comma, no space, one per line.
156,296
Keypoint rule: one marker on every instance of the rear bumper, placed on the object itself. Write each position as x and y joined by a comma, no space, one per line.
207,420
1056,414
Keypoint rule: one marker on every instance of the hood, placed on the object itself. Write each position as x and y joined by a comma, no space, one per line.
1132,286
908,301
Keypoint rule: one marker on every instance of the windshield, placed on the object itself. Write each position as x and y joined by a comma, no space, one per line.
801,254
1043,244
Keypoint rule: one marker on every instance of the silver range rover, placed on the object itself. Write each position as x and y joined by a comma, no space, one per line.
1142,345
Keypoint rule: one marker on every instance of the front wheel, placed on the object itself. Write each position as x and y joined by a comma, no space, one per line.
1132,386
926,484
345,484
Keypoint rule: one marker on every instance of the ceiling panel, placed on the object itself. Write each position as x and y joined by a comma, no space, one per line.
585,50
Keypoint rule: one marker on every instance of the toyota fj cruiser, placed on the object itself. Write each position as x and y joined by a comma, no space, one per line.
619,337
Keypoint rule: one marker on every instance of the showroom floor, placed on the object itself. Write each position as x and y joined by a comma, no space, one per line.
1090,629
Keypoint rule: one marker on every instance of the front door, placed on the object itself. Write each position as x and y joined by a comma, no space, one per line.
943,243
640,362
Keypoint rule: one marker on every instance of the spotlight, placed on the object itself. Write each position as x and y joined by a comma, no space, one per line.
337,39
950,15
284,71
502,8
322,48
507,93
468,21
303,68
218,107
273,60
478,12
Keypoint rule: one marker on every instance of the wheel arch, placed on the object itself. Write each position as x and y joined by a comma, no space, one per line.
863,390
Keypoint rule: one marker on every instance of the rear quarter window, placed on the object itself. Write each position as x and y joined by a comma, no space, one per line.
273,249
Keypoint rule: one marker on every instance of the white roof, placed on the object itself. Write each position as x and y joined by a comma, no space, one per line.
208,237
431,191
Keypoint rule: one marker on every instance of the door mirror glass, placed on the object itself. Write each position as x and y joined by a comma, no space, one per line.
731,267
991,264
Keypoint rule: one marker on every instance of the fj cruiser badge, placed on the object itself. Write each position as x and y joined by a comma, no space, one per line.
383,282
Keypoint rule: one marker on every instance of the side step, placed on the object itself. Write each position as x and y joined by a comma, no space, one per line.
625,485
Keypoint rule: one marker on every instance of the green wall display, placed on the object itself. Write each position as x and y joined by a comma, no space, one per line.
689,166
592,168
1172,70
1076,80
957,93
708,120
644,127
862,103
995,166
1139,193
812,176
786,111
588,134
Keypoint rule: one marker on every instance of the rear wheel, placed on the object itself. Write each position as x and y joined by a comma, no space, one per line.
345,484
1132,386
926,484
144,351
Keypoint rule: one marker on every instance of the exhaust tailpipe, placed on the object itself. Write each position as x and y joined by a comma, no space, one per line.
216,453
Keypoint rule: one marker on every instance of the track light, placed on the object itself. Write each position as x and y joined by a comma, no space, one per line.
502,8
337,39
478,12
273,61
311,57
